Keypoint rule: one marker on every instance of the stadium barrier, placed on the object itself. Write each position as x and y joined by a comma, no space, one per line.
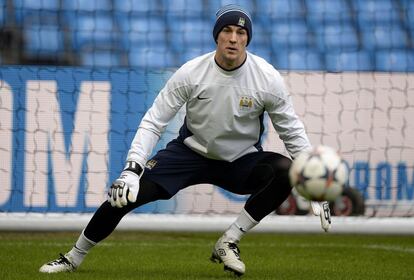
65,132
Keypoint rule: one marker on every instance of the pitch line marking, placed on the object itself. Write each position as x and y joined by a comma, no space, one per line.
390,248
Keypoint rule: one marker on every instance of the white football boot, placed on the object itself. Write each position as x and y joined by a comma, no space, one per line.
62,264
229,254
322,210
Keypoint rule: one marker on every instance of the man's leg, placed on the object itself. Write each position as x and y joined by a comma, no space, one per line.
270,181
101,225
271,176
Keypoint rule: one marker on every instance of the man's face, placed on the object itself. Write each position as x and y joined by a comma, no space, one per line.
231,44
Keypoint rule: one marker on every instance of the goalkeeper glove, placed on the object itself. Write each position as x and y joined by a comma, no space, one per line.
125,188
321,209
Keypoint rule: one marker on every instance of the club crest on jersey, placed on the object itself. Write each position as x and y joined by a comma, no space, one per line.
245,103
242,22
150,164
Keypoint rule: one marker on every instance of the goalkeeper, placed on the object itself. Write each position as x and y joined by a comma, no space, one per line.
226,93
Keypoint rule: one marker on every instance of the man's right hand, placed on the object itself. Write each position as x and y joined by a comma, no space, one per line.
125,189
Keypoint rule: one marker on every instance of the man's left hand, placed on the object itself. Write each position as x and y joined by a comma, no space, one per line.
322,210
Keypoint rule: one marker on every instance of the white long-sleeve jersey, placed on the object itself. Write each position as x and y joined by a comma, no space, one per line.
224,110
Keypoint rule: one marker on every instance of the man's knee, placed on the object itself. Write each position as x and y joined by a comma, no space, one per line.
279,185
278,165
273,168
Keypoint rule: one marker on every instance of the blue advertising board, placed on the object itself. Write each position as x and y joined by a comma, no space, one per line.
65,133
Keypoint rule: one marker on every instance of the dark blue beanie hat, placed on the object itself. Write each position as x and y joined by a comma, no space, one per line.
232,15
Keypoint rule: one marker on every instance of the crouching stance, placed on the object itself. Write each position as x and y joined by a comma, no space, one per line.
226,93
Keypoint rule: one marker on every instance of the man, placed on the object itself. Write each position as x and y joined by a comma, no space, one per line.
226,93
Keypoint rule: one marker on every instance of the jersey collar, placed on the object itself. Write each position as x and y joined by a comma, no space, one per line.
231,72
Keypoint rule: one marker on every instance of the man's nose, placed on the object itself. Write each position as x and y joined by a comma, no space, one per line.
233,37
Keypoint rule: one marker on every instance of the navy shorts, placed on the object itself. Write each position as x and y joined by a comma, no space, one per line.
177,167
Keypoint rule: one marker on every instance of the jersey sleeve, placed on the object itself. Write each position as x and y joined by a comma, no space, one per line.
166,105
286,122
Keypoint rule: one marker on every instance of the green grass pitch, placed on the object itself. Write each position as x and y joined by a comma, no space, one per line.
167,255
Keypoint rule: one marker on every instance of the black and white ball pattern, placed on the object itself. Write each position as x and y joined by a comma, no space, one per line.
319,174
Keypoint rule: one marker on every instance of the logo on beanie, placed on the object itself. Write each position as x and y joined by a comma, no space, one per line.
242,21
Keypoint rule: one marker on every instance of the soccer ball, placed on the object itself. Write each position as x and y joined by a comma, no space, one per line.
319,174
